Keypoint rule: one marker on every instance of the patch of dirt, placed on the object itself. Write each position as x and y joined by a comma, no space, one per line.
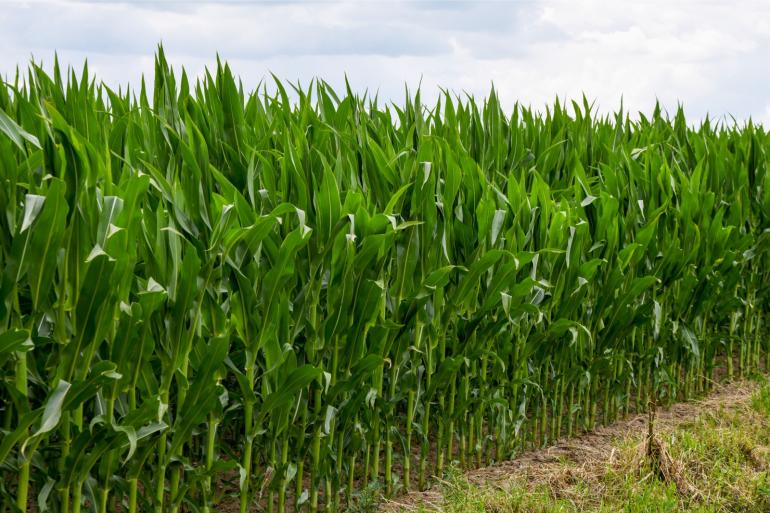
588,454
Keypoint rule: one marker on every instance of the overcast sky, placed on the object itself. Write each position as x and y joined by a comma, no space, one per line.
712,56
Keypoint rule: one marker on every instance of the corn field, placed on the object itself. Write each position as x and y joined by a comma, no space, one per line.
279,300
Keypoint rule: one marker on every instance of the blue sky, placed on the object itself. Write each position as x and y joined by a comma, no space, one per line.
712,56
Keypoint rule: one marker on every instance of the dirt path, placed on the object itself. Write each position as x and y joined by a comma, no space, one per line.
588,452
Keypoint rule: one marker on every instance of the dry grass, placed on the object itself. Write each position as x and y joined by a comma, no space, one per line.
710,455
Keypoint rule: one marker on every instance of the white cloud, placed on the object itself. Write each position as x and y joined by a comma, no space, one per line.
710,56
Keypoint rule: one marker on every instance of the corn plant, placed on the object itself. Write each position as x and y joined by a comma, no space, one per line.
281,300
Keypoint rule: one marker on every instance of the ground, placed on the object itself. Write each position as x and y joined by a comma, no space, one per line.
709,456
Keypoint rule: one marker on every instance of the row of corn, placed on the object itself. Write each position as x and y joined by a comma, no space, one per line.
290,299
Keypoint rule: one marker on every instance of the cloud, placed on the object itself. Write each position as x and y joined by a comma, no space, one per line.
710,56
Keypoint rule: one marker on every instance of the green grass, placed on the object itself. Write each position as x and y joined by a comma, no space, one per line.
725,454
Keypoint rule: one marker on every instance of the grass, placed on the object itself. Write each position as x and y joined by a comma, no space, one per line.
723,453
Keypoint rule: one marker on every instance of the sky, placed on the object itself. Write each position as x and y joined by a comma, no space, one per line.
713,57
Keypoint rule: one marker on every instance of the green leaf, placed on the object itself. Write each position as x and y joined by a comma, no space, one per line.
52,411
45,241
15,133
294,382
12,341
328,204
